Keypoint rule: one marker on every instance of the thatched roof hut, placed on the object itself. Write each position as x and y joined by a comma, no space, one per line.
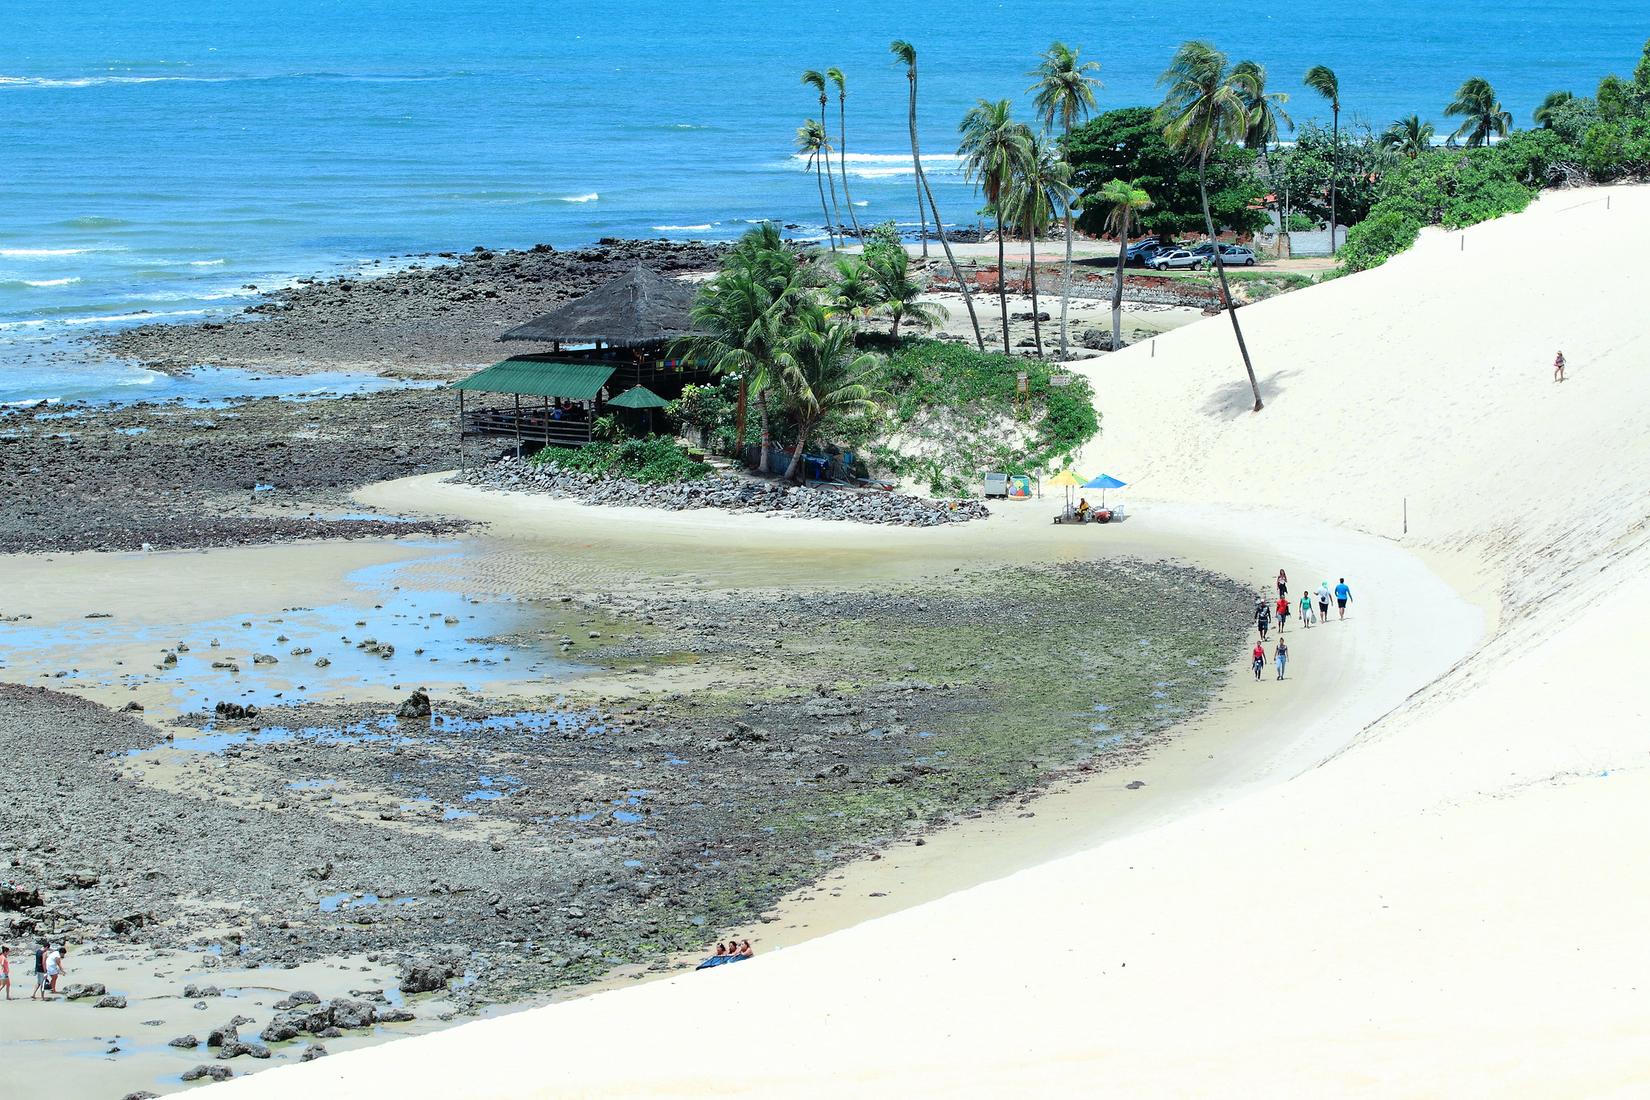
639,309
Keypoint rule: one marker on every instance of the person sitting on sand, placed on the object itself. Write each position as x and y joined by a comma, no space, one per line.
1258,657
1558,368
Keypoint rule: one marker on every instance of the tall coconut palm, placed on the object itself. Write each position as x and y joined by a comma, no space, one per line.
743,314
898,294
824,375
1544,114
1121,198
994,149
816,81
1064,95
834,75
1206,106
1408,137
812,142
906,54
1480,112
1039,193
1266,114
1322,79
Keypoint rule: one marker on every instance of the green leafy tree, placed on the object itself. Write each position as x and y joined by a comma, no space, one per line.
1481,114
1064,96
1318,160
1322,79
704,408
816,81
906,54
1408,137
1266,114
1543,115
994,149
1205,106
1121,200
1129,144
824,375
836,77
1040,193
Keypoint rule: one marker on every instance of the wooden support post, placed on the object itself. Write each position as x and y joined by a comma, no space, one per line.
461,431
518,425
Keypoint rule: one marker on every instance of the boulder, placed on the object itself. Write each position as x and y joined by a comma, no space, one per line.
312,1052
226,1033
217,1073
112,1001
241,1046
417,705
131,922
281,1029
184,1041
352,1014
295,998
395,1016
80,991
17,898
196,991
423,976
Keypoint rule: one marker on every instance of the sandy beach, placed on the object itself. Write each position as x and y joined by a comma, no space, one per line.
1429,899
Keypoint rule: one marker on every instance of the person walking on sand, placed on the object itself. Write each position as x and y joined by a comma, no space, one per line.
5,969
1283,614
1283,584
1323,602
1558,367
1306,609
40,973
1258,657
1281,654
1263,621
55,966
1342,595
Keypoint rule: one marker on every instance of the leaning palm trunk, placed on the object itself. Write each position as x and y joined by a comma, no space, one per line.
956,271
1117,284
1220,269
842,166
916,165
795,468
1002,282
830,177
824,210
762,466
1065,287
1036,322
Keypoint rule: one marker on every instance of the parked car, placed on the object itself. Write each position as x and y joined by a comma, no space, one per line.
1141,252
1178,257
1233,254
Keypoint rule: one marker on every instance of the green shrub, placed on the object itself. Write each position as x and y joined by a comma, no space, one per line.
651,460
1378,238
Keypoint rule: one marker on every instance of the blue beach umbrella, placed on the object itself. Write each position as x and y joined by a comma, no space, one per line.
1104,482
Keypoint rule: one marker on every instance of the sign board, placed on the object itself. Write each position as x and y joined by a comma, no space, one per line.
1020,382
1059,379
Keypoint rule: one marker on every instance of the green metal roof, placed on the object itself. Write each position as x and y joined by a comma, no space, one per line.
639,397
537,376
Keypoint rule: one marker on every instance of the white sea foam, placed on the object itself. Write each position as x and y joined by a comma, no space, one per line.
25,253
96,81
872,166
591,197
147,378
670,228
133,317
50,282
205,263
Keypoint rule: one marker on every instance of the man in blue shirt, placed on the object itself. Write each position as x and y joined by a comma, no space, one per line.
1342,594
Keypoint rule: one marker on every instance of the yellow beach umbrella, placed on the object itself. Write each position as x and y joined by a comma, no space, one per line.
1068,479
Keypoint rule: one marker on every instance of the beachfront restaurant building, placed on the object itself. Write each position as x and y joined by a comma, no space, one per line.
609,348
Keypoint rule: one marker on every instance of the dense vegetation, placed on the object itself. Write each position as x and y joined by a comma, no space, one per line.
651,460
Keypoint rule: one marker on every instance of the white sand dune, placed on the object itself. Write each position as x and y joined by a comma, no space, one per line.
1452,904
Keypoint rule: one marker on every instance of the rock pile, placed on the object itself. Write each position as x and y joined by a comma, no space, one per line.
738,494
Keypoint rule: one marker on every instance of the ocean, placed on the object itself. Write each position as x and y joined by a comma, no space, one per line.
161,160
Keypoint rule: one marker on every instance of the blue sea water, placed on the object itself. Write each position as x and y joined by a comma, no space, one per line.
156,158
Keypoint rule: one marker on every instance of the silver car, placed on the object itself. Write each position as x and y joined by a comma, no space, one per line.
1178,257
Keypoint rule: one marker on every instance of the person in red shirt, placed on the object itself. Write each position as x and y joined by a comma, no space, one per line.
1259,659
1283,613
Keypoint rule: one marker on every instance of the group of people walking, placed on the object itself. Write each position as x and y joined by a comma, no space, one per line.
1312,612
48,968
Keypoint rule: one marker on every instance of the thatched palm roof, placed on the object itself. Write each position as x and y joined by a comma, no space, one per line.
638,308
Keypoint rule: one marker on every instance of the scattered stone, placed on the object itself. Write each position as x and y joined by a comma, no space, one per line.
80,992
112,1001
216,1073
417,705
312,1052
184,1041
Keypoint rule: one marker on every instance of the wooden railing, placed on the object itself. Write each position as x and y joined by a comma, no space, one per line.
527,426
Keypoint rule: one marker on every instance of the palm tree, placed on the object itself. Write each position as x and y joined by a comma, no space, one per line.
816,81
1544,114
906,54
899,295
835,76
1123,198
994,150
1322,79
1266,113
743,314
1408,137
1481,114
1206,107
857,290
812,140
823,376
1065,93
1041,191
